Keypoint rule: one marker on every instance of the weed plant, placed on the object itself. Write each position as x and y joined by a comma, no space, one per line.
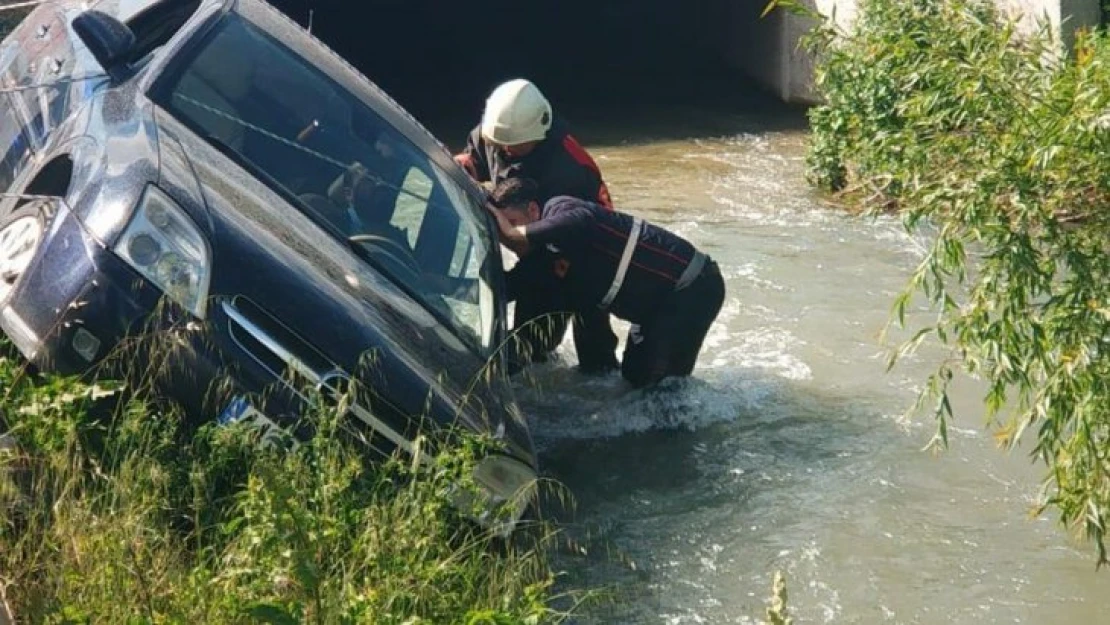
112,513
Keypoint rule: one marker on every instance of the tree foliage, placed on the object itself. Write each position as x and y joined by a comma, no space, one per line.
993,144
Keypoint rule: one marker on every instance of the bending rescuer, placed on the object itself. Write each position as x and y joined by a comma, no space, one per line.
609,262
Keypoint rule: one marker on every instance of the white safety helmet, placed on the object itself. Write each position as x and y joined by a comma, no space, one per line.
516,112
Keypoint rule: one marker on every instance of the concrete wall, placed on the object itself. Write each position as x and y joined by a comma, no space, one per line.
1064,17
768,49
754,45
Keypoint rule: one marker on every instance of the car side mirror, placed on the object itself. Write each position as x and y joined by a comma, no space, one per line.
109,40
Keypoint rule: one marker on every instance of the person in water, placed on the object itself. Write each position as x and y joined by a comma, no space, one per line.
610,262
521,137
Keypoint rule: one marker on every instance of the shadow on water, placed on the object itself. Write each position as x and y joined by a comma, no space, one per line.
619,71
705,99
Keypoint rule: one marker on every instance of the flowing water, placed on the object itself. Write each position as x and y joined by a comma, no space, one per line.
787,449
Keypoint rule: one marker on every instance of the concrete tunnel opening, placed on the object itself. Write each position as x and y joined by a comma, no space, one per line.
605,64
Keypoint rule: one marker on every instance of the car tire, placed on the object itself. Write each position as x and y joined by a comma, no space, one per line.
21,234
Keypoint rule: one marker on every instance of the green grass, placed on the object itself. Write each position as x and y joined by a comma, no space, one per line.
112,511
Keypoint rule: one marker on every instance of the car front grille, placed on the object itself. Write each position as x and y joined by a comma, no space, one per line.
306,372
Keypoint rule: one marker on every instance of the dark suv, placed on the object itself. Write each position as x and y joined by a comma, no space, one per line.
207,173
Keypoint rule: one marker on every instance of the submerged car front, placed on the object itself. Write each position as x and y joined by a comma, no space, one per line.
289,224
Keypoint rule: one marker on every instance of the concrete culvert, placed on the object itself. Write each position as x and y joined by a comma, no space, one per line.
591,57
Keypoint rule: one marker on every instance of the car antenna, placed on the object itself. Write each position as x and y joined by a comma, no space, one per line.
311,13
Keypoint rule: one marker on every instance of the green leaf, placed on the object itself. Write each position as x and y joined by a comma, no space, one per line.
271,613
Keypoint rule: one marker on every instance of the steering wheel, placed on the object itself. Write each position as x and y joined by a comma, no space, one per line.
394,255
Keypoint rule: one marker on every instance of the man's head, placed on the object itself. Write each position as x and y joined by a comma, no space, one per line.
517,117
518,199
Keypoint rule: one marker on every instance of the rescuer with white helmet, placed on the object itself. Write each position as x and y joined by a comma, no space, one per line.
516,115
521,137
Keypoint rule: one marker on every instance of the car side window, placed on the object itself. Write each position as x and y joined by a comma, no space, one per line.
13,143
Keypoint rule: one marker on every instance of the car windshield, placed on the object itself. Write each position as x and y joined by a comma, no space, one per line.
318,144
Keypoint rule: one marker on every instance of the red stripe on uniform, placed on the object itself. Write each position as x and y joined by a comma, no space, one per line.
579,153
649,247
657,272
663,252
661,274
583,158
613,231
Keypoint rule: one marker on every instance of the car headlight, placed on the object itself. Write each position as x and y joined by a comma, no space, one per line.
508,485
163,244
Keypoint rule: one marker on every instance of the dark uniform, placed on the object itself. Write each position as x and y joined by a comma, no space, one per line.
615,263
560,166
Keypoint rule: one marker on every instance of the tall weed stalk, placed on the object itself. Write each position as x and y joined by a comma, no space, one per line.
113,511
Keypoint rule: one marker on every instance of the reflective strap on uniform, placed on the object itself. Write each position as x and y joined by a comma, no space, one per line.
626,259
692,271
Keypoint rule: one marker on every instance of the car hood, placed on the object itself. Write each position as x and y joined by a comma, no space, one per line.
272,260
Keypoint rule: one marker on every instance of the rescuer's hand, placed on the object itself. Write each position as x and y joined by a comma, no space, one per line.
467,163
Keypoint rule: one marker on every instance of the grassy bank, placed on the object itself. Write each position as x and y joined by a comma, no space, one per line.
112,513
